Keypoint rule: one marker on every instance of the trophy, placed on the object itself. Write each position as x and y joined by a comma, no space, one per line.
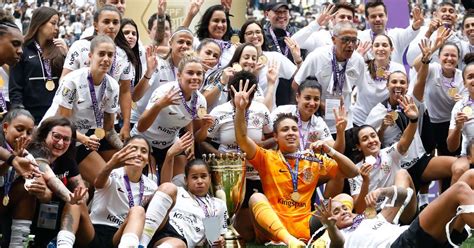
228,183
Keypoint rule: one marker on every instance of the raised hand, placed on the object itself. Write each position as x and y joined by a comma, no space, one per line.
124,157
460,119
227,4
319,147
25,167
171,98
434,24
425,47
195,6
242,97
161,7
441,38
20,145
151,61
272,72
387,121
365,170
326,15
324,214
61,44
340,117
372,197
418,18
78,195
92,142
409,107
294,48
183,143
364,47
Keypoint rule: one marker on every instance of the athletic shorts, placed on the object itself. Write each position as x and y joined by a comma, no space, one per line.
415,236
104,236
251,186
416,171
167,231
82,152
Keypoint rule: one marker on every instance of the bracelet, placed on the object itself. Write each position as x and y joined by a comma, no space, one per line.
148,78
10,159
331,152
426,62
414,120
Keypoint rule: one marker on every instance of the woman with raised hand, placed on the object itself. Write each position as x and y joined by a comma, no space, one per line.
173,106
89,97
210,52
35,79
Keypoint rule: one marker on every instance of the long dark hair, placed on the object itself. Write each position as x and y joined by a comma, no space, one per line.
42,132
238,53
359,155
203,26
371,63
135,50
40,17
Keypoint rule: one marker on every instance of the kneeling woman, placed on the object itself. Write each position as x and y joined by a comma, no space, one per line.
89,97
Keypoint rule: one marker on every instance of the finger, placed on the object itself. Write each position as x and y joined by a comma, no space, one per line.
233,89
252,88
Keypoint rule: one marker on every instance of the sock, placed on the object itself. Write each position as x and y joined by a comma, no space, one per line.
268,219
20,230
129,240
423,199
65,239
178,180
155,214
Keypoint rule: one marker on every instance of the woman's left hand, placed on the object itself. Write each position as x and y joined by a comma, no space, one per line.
78,196
341,118
319,147
20,145
61,44
409,107
219,243
207,121
272,72
294,49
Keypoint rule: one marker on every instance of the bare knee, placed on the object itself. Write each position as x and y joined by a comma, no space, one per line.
169,189
467,176
403,178
137,212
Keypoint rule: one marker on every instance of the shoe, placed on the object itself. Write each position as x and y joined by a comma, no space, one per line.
296,243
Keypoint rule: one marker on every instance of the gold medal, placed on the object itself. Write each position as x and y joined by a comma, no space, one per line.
394,115
236,67
262,60
99,133
380,73
201,112
6,200
134,105
235,39
50,85
452,92
2,82
468,111
370,213
295,196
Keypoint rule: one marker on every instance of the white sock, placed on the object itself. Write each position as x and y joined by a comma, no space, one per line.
155,214
65,239
129,240
423,199
20,230
178,180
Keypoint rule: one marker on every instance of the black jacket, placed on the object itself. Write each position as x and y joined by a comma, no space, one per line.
27,84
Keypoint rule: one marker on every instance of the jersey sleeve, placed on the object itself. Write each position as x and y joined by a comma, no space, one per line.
72,61
259,160
112,105
331,167
67,93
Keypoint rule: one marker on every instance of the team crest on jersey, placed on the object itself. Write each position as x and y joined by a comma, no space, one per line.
308,176
385,168
68,94
313,136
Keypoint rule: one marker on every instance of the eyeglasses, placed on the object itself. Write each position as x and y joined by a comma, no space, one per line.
252,33
347,39
58,137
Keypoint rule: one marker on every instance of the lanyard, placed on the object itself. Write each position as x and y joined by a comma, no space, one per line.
208,209
448,82
191,110
11,175
356,222
46,62
301,132
339,75
293,172
301,156
98,114
275,41
131,202
389,108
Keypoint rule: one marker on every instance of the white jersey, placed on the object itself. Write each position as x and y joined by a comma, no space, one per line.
165,128
370,93
401,39
382,174
312,130
87,32
187,216
438,102
376,232
312,37
73,93
393,134
164,73
319,63
286,71
78,57
223,129
465,48
468,129
110,204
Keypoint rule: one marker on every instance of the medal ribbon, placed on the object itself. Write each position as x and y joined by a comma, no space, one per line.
356,222
300,130
448,82
191,110
8,178
224,45
301,156
339,75
469,102
46,63
293,172
98,113
210,210
131,202
275,41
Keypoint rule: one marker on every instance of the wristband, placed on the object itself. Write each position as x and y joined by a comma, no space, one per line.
331,152
148,78
10,159
414,120
426,62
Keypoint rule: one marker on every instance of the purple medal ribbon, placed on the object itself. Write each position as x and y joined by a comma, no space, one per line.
275,41
447,81
389,108
98,114
131,202
8,178
191,110
293,172
300,130
210,210
356,222
224,45
46,62
303,157
469,102
339,75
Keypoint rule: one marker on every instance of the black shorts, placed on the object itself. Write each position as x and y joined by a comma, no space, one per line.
416,171
167,231
415,236
82,152
251,186
104,236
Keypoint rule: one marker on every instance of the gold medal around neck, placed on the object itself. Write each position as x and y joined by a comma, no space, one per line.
237,67
295,196
201,112
394,115
99,133
452,92
468,111
370,212
50,85
380,72
234,39
2,82
262,60
6,200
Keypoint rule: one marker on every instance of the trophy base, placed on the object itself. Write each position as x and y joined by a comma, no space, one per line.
233,239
